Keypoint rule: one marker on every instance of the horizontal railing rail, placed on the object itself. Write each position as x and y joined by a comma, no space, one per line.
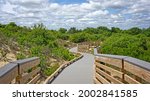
21,71
120,69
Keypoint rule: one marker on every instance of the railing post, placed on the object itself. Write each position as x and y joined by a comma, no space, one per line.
123,71
94,76
19,74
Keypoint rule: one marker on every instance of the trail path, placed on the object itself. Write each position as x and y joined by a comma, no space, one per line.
80,72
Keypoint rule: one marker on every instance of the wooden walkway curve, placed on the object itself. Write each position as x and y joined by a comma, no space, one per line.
80,72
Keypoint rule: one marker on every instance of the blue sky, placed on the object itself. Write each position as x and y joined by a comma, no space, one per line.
69,1
77,13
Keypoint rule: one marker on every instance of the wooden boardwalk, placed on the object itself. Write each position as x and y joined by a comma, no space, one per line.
80,72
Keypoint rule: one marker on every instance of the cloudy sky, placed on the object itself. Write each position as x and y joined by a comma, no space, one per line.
77,13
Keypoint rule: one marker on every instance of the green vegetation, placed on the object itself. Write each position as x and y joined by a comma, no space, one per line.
134,42
52,44
36,41
51,70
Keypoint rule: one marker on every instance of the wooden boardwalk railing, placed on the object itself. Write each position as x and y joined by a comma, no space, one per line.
86,47
21,71
83,48
120,69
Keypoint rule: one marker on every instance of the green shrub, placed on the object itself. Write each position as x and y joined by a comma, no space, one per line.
80,37
63,36
128,45
51,70
62,53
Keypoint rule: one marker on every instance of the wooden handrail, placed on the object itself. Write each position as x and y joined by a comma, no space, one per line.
18,71
8,73
123,68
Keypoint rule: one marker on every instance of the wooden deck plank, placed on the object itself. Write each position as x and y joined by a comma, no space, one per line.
140,72
96,81
109,69
112,79
26,77
102,79
111,61
35,79
130,80
25,66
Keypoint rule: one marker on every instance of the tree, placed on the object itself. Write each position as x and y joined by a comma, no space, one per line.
39,26
90,30
146,32
115,30
79,37
72,30
2,26
12,24
62,30
134,31
103,28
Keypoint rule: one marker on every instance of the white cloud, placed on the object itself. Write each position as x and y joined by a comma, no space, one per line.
85,19
117,4
70,21
25,2
8,8
119,13
116,16
97,13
